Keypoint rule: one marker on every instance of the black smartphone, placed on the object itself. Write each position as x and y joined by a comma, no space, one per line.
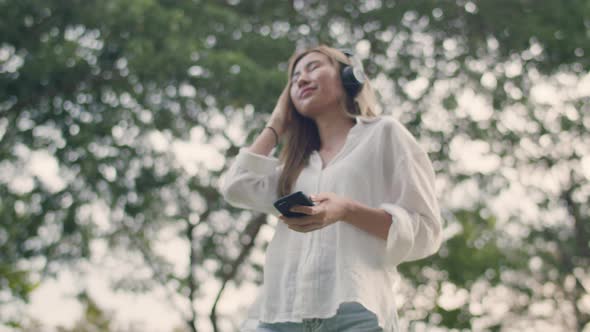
285,203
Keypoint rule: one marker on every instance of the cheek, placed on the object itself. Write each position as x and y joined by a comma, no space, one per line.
333,83
294,100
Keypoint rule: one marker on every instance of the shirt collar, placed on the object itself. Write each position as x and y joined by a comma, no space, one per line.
360,124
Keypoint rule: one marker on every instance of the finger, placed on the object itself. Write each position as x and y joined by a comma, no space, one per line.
309,210
300,227
299,221
305,229
318,198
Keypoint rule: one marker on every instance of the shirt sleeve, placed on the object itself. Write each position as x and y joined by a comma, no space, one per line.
415,230
251,182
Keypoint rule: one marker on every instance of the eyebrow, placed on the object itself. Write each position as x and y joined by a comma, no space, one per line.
307,65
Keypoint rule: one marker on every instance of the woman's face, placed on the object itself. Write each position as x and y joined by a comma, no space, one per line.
315,85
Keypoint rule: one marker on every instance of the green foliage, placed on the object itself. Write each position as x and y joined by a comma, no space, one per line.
94,318
87,84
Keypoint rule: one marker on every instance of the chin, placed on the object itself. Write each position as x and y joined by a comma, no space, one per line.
310,109
308,112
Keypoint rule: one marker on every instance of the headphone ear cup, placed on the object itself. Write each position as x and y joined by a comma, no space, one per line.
351,84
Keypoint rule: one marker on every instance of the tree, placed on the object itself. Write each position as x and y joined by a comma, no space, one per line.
106,93
93,90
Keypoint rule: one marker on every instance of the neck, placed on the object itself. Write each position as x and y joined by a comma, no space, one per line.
333,128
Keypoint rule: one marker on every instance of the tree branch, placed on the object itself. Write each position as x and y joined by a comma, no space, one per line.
247,239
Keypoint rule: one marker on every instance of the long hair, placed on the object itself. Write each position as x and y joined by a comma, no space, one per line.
302,136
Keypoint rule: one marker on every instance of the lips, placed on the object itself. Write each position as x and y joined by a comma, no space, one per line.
305,92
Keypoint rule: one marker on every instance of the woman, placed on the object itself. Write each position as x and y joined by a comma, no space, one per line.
375,204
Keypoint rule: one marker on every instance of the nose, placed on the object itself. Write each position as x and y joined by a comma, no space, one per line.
302,80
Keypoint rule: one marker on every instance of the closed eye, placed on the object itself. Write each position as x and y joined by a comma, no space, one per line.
308,67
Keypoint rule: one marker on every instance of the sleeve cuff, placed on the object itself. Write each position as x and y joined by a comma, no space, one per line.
400,238
256,163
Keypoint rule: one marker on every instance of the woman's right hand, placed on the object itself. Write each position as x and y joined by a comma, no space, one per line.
279,119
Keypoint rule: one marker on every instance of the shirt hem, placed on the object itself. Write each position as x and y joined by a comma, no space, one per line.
385,323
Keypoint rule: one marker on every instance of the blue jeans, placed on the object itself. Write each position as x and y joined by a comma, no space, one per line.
350,317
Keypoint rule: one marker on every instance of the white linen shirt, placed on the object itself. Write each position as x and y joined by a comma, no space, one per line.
308,275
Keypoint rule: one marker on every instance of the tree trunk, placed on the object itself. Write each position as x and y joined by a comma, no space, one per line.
247,240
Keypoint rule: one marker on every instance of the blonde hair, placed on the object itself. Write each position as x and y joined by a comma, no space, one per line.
302,136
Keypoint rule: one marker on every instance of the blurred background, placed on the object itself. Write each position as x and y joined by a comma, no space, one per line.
118,117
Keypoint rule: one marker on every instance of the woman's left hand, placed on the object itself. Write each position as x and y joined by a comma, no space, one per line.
328,209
